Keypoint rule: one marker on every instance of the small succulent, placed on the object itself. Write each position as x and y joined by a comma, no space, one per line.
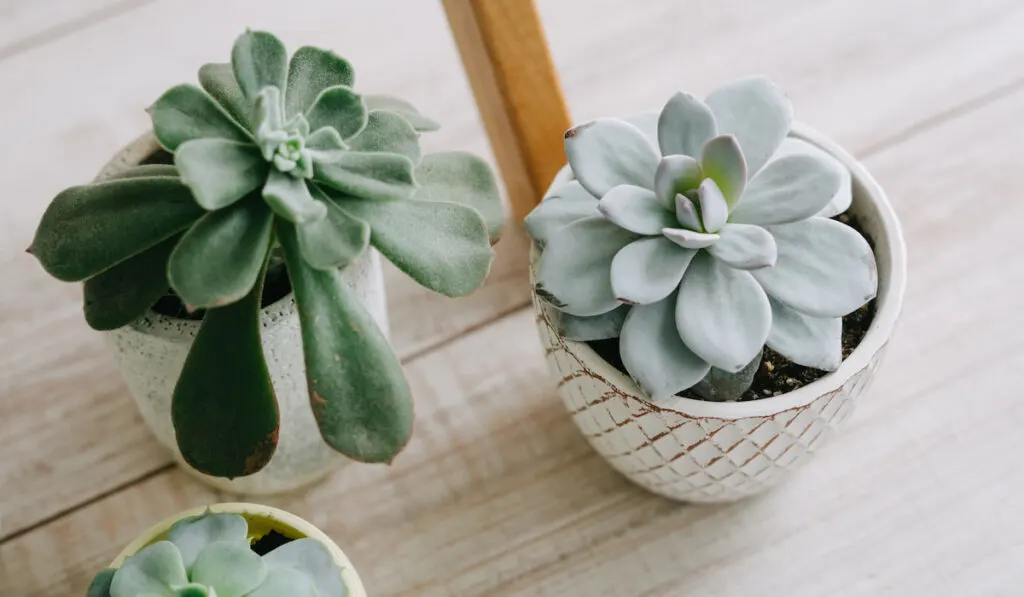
697,255
276,162
210,556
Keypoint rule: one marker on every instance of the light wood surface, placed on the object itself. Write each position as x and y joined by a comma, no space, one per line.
498,493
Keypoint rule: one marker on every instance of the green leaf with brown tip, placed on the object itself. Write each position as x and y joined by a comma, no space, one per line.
88,229
123,293
357,390
219,258
224,409
310,71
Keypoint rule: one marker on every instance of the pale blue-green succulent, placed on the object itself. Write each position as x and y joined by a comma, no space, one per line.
698,255
210,556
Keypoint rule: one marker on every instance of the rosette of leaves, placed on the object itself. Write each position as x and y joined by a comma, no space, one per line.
210,556
283,159
702,247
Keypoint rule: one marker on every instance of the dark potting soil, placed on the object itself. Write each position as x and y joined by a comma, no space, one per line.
777,374
269,542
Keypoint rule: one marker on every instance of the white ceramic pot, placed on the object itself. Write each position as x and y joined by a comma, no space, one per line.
261,520
713,451
151,354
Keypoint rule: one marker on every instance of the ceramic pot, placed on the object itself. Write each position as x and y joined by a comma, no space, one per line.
262,520
692,450
151,351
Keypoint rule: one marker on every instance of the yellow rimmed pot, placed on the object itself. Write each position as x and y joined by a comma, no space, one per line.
261,520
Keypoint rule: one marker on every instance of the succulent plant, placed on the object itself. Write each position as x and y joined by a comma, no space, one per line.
698,255
276,159
210,556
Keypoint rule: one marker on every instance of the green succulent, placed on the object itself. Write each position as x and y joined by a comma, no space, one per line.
276,161
702,240
210,556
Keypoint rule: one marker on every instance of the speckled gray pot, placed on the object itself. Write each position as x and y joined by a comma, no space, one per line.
151,353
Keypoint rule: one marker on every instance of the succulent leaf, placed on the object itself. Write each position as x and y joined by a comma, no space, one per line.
290,198
757,113
88,229
403,108
654,354
185,112
676,174
722,314
230,568
575,267
568,203
443,246
462,178
824,268
689,239
809,341
790,189
218,79
687,214
647,122
326,145
369,175
388,132
285,582
333,241
218,260
312,559
745,246
609,152
685,125
636,209
100,584
219,171
713,207
146,171
191,535
259,60
726,386
310,71
599,327
357,390
647,270
224,408
152,571
722,161
844,195
339,108
125,292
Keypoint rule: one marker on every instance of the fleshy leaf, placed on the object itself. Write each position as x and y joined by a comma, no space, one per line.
369,175
609,152
685,125
844,195
647,122
676,174
333,241
125,292
725,386
224,408
326,145
259,60
219,171
311,558
230,568
403,108
310,72
789,189
290,198
757,113
599,327
191,535
722,160
100,584
218,79
146,171
722,314
357,390
687,215
152,571
185,112
689,239
442,245
462,178
745,246
339,108
286,582
824,269
218,260
88,229
388,132
809,341
636,209
575,267
566,204
713,208
647,270
653,353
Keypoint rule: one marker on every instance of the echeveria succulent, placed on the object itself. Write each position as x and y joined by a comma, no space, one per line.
276,161
210,556
700,238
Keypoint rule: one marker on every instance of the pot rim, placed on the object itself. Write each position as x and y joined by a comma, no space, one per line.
278,520
889,304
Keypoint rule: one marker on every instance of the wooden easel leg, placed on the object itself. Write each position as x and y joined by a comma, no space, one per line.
506,57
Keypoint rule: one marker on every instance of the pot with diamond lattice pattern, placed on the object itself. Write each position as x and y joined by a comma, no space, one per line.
700,451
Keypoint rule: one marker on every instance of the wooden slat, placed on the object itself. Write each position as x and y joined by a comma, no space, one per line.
505,52
499,494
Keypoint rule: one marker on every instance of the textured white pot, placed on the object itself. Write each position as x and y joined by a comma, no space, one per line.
151,353
692,450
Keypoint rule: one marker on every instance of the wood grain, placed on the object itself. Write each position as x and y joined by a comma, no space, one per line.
499,495
505,52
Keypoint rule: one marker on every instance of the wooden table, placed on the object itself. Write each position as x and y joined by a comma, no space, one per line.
498,493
